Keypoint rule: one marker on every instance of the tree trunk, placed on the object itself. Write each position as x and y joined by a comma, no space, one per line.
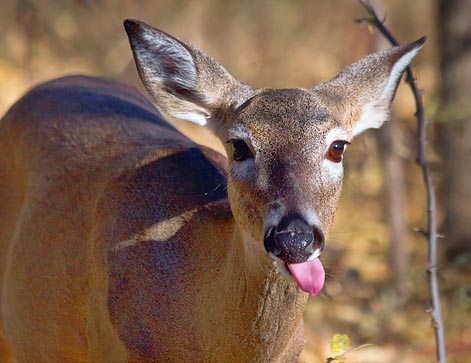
454,136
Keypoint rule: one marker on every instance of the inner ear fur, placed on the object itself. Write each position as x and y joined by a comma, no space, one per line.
184,82
365,89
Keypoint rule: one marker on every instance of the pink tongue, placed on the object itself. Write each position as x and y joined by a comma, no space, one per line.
309,275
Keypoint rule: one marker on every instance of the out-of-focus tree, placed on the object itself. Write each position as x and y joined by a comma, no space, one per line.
389,140
454,137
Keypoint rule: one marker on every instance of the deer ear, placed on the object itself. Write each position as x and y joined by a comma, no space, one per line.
366,88
184,82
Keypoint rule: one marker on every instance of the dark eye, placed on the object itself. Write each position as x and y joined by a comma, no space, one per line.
240,150
336,150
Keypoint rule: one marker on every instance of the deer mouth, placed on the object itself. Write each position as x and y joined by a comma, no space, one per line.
297,263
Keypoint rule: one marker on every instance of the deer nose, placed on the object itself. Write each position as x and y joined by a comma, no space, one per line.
294,240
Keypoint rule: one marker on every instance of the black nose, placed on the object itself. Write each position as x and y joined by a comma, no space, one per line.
293,240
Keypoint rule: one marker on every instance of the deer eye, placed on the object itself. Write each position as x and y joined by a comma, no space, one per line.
336,150
240,150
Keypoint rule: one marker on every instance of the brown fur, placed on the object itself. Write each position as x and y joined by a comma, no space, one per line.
118,242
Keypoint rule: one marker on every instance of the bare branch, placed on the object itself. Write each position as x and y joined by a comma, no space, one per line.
431,233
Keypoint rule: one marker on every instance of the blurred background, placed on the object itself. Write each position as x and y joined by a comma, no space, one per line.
377,289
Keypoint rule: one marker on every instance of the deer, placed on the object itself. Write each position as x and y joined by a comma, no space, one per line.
121,240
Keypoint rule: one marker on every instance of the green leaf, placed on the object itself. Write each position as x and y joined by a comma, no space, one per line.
339,344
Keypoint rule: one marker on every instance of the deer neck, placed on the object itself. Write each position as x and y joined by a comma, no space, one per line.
246,301
233,305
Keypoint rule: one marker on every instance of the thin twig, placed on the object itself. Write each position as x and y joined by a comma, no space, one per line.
431,233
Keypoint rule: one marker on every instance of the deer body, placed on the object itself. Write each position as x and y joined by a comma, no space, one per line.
118,242
122,286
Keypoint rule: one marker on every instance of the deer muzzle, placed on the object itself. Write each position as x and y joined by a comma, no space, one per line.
293,240
296,247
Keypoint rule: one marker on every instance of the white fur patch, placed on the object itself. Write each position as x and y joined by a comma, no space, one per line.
160,231
331,171
373,115
276,211
315,254
337,133
310,216
197,118
396,72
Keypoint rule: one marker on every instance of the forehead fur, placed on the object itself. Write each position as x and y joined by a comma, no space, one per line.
294,114
285,110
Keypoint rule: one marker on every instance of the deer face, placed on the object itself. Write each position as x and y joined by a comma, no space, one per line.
284,146
285,173
283,181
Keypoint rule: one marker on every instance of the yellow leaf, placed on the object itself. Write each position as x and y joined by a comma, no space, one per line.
339,344
371,28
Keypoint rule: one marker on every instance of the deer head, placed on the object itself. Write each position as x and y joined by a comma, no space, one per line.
284,146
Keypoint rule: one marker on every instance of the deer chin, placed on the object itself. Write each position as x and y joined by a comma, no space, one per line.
309,275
